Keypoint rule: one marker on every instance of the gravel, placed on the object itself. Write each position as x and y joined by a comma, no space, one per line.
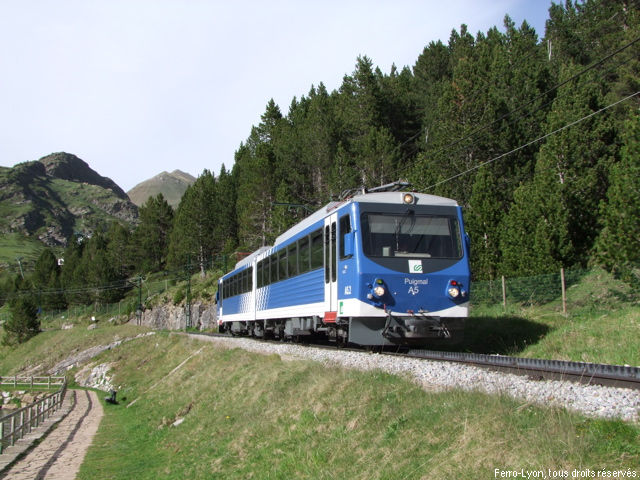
590,400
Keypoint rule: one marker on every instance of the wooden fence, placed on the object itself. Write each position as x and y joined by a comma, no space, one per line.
33,381
19,423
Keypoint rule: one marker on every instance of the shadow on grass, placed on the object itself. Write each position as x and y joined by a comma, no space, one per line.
504,335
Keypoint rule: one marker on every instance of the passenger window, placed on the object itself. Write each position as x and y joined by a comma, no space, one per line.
274,268
266,272
259,273
282,265
292,255
316,250
303,255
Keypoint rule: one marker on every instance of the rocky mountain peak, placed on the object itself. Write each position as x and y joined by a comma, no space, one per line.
67,166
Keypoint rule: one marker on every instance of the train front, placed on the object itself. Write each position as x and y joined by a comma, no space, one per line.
413,270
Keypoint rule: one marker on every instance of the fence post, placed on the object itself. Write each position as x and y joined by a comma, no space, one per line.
504,293
564,292
1,435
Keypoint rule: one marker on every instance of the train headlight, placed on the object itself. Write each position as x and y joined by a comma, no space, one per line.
408,198
454,289
378,288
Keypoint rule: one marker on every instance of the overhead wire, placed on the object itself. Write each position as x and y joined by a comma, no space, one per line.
586,117
547,92
540,107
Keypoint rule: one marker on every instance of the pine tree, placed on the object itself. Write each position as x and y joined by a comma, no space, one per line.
23,322
196,237
617,246
256,186
46,280
152,235
226,224
72,276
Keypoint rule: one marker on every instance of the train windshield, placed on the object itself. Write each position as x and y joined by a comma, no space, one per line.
411,235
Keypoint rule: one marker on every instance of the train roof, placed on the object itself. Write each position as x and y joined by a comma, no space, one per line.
377,197
381,197
249,258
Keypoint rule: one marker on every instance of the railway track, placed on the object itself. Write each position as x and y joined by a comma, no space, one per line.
585,373
620,376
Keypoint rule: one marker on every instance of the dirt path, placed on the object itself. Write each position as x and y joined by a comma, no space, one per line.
61,453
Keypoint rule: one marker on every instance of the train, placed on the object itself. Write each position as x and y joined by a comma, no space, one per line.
379,267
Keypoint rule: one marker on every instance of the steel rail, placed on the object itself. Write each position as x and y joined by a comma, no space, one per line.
587,373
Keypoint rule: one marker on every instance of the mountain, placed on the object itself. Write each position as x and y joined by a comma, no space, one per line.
56,196
171,185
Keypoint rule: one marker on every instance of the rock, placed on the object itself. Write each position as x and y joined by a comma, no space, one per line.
95,377
93,326
177,422
172,317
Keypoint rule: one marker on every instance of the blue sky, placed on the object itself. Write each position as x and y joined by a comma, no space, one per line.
137,87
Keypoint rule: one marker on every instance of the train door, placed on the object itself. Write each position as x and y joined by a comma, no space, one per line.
330,267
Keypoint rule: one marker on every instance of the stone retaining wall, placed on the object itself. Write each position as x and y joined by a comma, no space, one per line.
171,317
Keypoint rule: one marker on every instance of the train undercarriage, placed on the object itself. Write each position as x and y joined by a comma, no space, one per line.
370,331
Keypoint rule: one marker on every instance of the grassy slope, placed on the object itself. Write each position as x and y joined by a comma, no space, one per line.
48,348
602,325
14,245
252,416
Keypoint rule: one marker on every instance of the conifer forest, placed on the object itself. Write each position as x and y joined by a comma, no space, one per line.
535,134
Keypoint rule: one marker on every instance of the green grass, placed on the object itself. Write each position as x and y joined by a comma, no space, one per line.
48,348
602,325
15,245
253,416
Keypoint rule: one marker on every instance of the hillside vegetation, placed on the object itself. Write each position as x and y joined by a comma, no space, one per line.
191,410
46,202
537,138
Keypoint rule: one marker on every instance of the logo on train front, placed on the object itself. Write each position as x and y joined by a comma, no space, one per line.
415,266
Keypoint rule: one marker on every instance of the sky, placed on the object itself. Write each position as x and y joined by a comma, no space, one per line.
137,87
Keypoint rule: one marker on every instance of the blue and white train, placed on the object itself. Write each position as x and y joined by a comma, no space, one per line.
378,268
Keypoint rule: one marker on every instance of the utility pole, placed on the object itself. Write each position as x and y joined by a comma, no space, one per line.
188,303
139,309
20,265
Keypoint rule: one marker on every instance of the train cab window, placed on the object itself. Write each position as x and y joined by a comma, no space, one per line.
303,255
292,262
411,235
316,250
